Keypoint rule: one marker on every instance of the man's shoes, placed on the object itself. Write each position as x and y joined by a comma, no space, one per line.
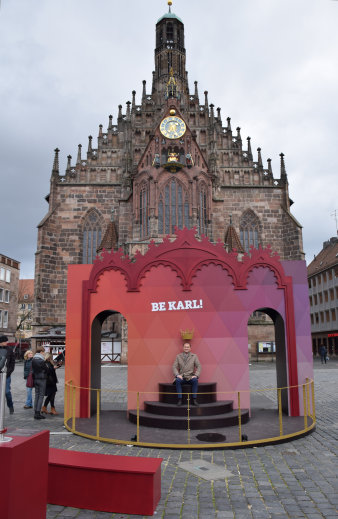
11,410
39,416
194,402
179,402
28,407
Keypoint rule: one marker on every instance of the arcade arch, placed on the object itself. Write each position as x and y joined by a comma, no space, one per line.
276,334
107,326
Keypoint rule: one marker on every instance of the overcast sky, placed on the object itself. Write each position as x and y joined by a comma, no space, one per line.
65,65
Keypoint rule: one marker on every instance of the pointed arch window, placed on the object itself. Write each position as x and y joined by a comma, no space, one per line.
91,238
143,211
250,230
173,208
203,210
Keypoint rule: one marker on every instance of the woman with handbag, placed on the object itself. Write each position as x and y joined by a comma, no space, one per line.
28,376
51,387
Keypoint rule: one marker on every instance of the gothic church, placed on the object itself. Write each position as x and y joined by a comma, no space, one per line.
169,161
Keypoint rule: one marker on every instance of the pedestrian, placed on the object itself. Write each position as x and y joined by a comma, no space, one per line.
40,378
51,387
323,353
27,369
8,352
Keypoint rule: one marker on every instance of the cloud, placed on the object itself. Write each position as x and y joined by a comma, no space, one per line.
66,65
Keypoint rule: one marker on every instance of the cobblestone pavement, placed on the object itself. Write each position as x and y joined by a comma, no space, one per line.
290,480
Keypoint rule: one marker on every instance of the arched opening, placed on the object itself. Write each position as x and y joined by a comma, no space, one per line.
109,339
266,338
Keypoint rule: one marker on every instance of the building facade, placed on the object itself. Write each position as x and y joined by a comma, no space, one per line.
323,291
9,287
25,308
168,160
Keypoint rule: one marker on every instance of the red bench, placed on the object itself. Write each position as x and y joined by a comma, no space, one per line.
106,483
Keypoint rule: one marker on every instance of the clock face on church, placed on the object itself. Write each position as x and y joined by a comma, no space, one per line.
172,127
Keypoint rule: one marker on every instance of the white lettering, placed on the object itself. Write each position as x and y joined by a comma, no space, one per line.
188,304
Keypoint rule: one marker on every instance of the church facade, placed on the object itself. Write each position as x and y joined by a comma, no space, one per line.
166,162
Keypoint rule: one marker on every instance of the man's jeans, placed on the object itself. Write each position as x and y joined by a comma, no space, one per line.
8,392
193,382
40,389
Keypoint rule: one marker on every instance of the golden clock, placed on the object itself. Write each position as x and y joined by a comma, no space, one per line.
173,127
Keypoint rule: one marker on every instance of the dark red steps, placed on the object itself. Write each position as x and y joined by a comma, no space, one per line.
210,413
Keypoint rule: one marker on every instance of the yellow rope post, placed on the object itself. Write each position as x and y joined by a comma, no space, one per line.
73,410
98,413
65,416
308,397
138,418
239,417
304,406
188,399
313,401
280,412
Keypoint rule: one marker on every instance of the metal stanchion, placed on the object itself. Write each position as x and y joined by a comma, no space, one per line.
98,413
304,406
239,416
3,429
280,412
138,418
313,401
188,417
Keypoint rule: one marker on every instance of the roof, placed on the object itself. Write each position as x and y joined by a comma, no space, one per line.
327,258
110,238
26,288
232,240
169,15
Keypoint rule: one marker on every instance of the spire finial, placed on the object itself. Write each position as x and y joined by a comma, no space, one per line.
90,138
249,148
283,174
170,4
56,161
260,161
78,161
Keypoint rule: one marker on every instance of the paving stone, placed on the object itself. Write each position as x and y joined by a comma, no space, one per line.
276,481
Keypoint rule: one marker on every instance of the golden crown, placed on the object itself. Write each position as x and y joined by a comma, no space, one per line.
187,335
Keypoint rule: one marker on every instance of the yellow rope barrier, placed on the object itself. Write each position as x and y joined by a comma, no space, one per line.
308,405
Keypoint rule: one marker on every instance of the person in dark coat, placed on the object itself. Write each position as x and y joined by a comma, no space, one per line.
40,370
7,351
323,353
27,366
51,386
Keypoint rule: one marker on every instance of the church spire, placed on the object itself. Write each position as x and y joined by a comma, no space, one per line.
169,54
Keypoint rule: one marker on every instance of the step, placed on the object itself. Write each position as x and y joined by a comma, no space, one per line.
213,408
196,422
171,396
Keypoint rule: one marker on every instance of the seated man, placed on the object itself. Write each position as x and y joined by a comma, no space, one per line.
187,369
